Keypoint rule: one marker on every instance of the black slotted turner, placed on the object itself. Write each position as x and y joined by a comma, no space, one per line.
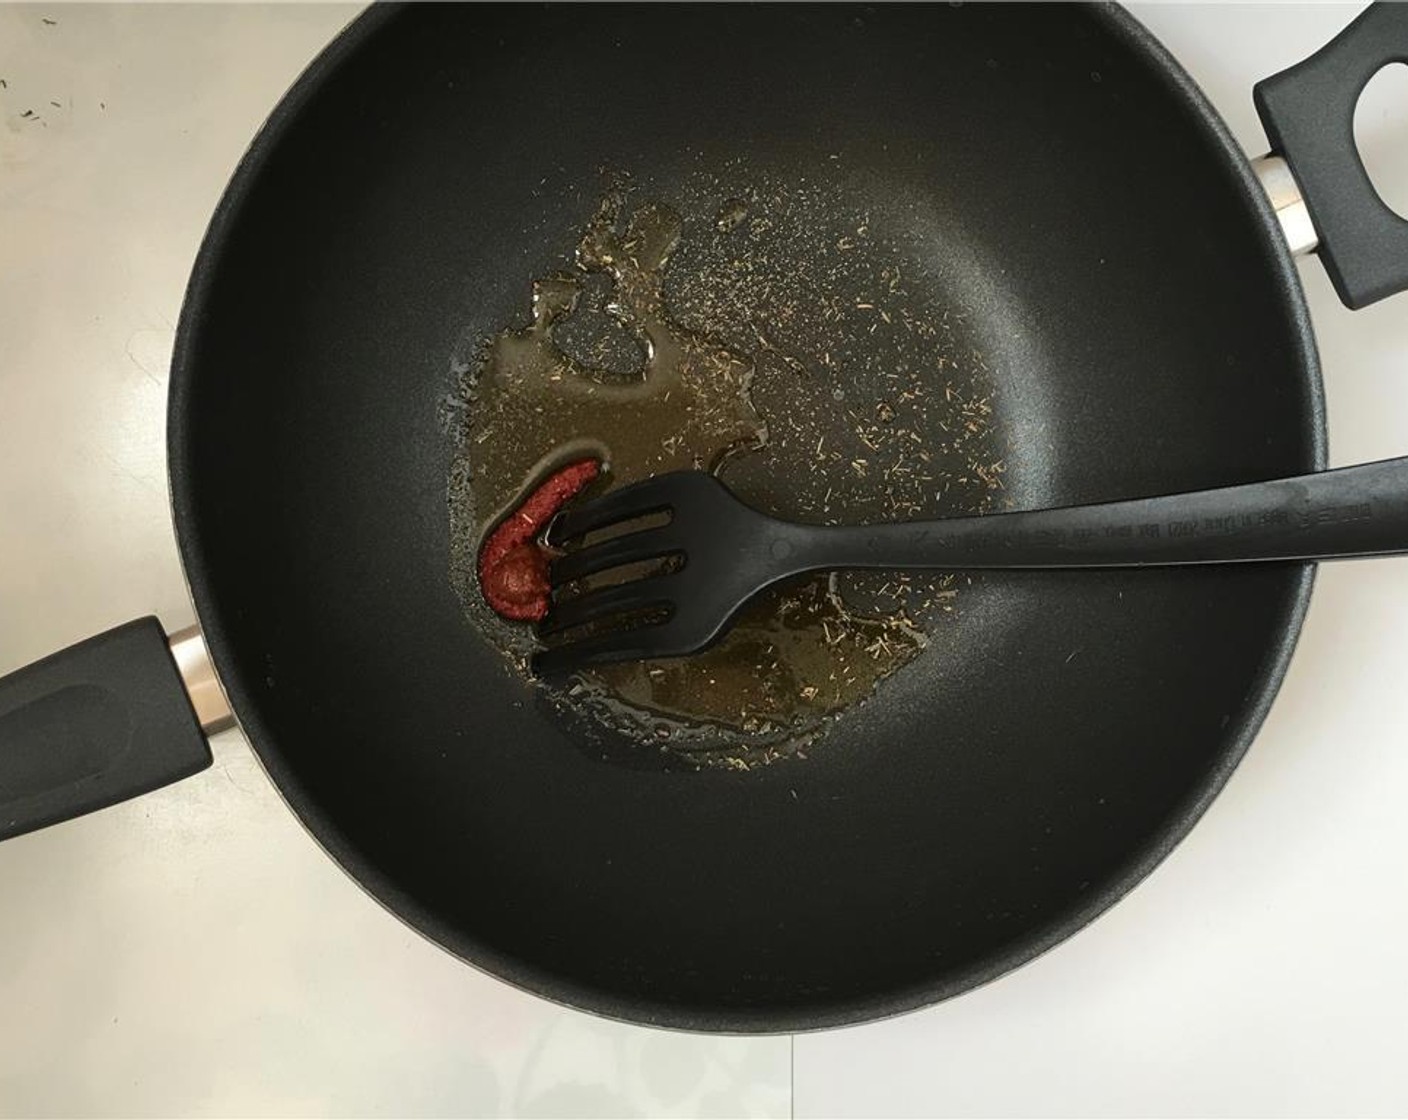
725,552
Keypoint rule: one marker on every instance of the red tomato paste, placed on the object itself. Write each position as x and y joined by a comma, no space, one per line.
513,565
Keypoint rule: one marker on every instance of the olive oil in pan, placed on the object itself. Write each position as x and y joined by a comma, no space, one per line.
748,364
793,657
536,407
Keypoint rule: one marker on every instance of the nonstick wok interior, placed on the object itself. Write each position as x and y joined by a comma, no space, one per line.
1085,213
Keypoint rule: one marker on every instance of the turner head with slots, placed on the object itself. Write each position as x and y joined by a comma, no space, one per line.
704,572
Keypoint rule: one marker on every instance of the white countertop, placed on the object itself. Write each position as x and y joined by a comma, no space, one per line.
194,953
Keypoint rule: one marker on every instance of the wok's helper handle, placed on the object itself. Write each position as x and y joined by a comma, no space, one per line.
92,725
1308,114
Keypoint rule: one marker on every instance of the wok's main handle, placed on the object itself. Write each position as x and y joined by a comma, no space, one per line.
1308,114
104,720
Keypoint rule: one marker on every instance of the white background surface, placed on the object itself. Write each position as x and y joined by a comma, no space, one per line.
194,953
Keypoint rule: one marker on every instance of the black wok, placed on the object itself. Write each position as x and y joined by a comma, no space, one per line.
1148,332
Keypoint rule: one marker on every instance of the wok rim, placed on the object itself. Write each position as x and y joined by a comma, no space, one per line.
184,497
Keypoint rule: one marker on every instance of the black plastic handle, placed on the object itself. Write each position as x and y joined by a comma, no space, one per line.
93,725
1342,514
1308,114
